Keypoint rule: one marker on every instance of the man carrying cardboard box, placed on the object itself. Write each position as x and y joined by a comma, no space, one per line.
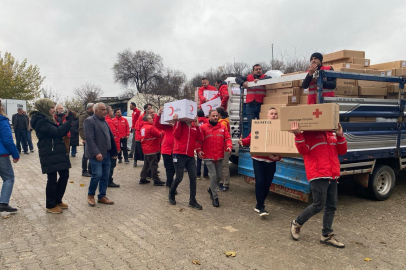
320,150
316,63
255,95
138,155
264,170
222,88
206,91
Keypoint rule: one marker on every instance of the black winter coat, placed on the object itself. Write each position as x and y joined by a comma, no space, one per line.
74,133
51,148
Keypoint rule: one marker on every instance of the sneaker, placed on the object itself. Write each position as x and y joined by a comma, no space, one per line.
55,210
126,161
206,176
263,212
211,193
26,153
86,174
32,151
120,161
113,185
295,230
104,200
216,202
144,181
195,205
7,208
332,241
135,164
172,199
73,155
63,205
220,185
159,183
224,188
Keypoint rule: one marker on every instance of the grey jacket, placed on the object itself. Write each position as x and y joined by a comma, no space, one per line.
96,139
14,121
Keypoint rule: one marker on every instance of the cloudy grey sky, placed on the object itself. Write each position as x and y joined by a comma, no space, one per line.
75,42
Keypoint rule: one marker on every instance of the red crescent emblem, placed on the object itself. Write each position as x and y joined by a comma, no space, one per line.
171,111
210,107
192,108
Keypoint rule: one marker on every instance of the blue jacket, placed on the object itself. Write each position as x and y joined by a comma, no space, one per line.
7,146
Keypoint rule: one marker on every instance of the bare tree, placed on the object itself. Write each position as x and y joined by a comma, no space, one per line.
88,92
74,104
128,93
51,94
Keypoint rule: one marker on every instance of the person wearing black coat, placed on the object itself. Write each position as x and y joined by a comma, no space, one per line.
74,136
52,152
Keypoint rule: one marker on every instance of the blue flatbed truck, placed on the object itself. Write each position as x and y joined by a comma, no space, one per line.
376,150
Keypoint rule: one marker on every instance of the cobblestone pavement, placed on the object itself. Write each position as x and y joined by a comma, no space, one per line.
142,231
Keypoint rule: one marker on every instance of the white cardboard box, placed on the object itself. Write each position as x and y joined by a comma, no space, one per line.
211,105
209,94
185,109
162,122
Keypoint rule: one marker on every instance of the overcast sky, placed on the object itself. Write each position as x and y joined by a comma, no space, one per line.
75,42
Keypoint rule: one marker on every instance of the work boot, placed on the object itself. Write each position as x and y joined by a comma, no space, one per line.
55,210
172,199
113,185
211,193
295,230
90,200
159,183
216,202
4,207
104,200
223,188
32,151
120,160
126,161
195,205
86,174
144,181
135,164
63,205
332,241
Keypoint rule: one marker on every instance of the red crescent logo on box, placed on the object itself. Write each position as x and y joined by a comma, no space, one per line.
209,106
192,108
171,111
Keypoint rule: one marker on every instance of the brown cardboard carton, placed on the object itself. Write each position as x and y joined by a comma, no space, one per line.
362,119
345,82
266,107
305,91
311,117
346,96
375,72
350,70
394,96
363,83
373,97
347,65
352,60
303,99
293,73
267,138
396,72
282,100
393,88
343,54
263,115
289,84
347,90
389,65
373,91
295,91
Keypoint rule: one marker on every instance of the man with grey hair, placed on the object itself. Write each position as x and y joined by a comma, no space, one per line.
100,148
86,168
21,125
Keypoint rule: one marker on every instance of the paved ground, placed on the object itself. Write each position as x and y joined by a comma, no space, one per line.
142,231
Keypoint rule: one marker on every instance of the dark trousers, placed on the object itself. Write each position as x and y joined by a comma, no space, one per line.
56,188
184,161
252,109
324,192
131,155
150,162
29,140
113,163
21,139
124,150
199,168
86,167
139,155
264,172
169,168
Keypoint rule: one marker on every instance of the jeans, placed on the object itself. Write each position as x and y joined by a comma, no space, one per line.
29,140
74,150
199,168
124,150
100,176
190,164
169,168
324,192
252,110
264,172
216,174
7,174
150,162
113,163
86,166
226,170
21,139
56,188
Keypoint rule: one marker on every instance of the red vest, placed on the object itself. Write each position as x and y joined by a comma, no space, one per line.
256,93
313,87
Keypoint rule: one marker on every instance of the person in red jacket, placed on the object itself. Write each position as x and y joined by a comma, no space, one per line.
138,155
222,88
202,120
206,92
150,137
166,147
134,117
316,64
264,170
224,184
320,150
114,129
216,140
185,136
123,134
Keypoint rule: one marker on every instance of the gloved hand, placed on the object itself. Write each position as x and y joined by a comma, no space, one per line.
70,117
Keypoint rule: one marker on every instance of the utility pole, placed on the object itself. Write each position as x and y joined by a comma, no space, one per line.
272,57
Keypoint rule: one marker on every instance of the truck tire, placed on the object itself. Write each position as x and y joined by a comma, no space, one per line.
381,183
234,159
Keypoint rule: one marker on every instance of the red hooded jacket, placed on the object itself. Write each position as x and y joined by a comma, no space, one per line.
185,138
203,120
63,121
138,126
223,95
123,127
150,137
201,90
215,140
114,130
256,93
134,117
312,96
168,141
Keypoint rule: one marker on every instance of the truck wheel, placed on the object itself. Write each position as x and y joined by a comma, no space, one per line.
234,159
381,183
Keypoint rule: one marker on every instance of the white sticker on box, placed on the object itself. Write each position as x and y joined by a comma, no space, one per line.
403,63
294,99
383,73
366,63
347,65
389,73
306,91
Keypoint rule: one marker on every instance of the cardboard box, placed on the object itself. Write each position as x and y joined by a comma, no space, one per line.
362,119
389,65
373,97
375,72
289,84
303,99
211,105
305,92
311,117
282,100
266,107
393,88
347,65
394,96
351,70
373,91
396,72
295,91
267,138
185,109
343,54
363,83
346,90
293,73
346,82
263,115
209,94
353,60
346,96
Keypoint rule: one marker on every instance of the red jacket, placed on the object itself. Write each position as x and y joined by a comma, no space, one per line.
134,117
167,142
223,95
202,120
114,130
312,96
138,126
185,138
63,121
247,142
256,93
150,137
320,150
201,90
226,123
216,139
123,127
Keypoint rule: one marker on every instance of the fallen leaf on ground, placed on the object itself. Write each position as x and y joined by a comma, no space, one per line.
182,209
230,253
71,182
7,216
195,262
82,185
367,259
